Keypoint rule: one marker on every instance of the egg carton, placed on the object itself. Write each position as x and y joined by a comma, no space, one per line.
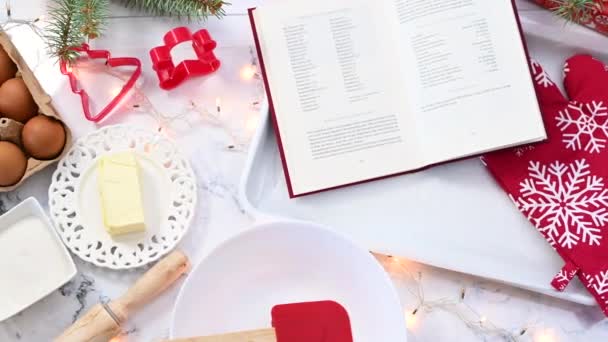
11,130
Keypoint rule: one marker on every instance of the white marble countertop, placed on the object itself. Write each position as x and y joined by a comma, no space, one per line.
535,317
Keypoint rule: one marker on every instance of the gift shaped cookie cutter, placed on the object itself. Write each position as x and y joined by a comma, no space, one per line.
170,75
111,62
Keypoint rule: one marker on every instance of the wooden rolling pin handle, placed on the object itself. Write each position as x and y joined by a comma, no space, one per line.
98,326
95,326
151,284
262,335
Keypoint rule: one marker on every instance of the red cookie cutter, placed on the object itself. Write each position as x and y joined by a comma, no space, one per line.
169,75
112,62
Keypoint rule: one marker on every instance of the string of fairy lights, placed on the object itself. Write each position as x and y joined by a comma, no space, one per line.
11,22
456,305
193,112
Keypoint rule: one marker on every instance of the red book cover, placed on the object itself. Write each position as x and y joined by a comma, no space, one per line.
278,132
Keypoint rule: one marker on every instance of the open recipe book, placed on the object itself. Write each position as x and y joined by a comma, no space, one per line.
361,90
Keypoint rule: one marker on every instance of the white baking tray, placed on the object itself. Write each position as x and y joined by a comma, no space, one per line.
452,216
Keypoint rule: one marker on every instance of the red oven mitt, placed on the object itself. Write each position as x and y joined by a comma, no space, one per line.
561,185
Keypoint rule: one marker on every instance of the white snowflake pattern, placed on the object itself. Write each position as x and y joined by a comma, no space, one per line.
540,76
521,150
565,202
566,69
563,278
584,124
598,283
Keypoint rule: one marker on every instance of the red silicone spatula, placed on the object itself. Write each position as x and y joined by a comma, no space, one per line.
324,321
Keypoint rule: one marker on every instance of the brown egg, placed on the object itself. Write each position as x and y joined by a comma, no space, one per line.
13,163
43,137
8,69
16,102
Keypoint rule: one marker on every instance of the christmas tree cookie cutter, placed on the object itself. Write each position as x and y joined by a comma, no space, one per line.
111,62
171,75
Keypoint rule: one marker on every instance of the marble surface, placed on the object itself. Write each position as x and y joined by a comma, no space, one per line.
530,316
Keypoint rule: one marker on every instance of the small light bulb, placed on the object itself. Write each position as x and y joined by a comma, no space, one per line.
218,105
115,91
252,123
545,336
248,72
154,143
483,319
411,319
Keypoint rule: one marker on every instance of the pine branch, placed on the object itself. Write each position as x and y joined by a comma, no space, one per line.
578,11
60,32
190,9
94,13
72,22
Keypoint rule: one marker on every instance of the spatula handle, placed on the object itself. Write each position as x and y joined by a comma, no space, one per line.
262,335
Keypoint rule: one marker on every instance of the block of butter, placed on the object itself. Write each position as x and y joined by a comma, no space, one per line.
120,193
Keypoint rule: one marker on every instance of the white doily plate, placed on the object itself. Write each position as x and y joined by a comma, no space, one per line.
168,191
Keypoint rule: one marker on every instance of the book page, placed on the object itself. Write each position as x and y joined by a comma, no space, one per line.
339,107
467,76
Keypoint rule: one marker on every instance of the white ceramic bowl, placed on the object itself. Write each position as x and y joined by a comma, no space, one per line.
33,261
235,287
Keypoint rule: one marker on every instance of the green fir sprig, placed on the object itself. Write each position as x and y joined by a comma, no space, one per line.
73,22
94,14
190,9
578,11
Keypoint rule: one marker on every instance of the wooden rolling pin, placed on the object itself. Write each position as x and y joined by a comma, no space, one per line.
102,322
